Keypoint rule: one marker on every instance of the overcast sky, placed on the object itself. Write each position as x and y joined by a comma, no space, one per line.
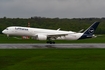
52,8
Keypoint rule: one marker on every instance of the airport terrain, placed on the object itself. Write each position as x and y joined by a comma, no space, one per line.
52,59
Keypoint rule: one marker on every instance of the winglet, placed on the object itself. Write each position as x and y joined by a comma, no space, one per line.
58,29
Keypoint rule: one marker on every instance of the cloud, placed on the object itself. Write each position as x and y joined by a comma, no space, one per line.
52,8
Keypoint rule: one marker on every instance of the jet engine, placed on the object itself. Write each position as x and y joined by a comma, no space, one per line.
40,37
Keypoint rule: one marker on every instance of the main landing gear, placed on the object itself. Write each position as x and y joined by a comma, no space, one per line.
50,40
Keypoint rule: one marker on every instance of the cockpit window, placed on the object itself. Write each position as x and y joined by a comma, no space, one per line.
6,28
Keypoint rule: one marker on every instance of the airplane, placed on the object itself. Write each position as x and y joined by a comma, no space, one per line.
49,34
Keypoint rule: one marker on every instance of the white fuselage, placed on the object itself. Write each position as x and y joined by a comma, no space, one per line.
27,31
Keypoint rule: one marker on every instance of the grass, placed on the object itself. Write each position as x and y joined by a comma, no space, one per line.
52,59
4,39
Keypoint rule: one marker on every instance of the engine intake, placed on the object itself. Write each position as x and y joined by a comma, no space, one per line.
41,37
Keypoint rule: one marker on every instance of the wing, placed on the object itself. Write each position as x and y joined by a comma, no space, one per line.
52,35
56,35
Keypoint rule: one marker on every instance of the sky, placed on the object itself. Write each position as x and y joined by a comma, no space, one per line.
52,8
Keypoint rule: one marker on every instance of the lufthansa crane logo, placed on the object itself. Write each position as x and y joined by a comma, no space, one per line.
91,30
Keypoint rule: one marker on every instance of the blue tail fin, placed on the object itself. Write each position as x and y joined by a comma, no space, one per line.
92,28
88,33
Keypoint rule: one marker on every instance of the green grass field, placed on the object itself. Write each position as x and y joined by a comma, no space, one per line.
52,59
4,39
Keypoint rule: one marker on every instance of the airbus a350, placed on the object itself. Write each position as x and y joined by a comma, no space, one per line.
50,35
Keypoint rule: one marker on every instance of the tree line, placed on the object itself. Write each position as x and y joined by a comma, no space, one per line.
74,24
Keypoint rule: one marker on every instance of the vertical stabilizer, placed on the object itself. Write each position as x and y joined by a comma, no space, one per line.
92,28
88,33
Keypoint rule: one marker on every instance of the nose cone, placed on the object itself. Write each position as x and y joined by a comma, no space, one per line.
3,31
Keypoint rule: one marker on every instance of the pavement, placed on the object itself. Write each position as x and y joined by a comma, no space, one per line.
35,46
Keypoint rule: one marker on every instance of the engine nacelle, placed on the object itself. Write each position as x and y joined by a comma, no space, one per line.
40,37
